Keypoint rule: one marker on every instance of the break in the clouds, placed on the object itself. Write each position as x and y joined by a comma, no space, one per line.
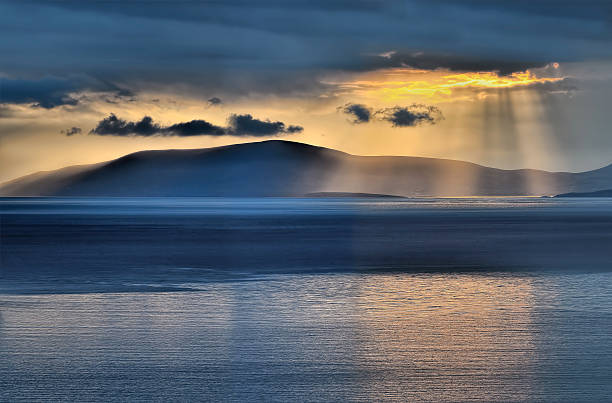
359,113
410,116
238,125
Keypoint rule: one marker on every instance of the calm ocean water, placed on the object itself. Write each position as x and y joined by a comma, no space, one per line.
307,300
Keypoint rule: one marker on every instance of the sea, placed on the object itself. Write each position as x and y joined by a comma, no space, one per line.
305,299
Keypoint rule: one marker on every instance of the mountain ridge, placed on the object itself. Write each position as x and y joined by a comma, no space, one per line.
287,168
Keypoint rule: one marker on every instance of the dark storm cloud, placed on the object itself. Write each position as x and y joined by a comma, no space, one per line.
72,131
247,125
45,93
410,116
432,61
51,92
238,125
276,46
214,101
359,112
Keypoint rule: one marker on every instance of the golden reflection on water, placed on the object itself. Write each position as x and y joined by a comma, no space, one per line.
447,337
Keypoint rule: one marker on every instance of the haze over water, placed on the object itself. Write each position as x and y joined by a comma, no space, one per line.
303,299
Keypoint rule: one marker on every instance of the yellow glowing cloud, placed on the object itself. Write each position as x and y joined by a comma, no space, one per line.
392,84
493,80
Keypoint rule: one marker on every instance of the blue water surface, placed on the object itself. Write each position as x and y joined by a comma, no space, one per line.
192,299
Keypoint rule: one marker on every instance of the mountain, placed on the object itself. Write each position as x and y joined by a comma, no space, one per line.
284,168
600,193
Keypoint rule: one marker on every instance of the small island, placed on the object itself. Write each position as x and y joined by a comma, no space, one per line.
351,194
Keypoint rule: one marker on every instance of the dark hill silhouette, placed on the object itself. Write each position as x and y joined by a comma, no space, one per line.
600,193
284,168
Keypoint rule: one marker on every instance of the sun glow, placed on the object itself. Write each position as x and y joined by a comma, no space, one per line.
440,85
493,80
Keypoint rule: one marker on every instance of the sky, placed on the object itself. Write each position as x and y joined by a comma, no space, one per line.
507,83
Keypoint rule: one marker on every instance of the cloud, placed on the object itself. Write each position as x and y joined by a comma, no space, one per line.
399,116
44,93
566,86
51,92
214,101
410,116
360,113
247,125
277,47
72,131
453,61
6,111
120,95
194,128
113,126
238,125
